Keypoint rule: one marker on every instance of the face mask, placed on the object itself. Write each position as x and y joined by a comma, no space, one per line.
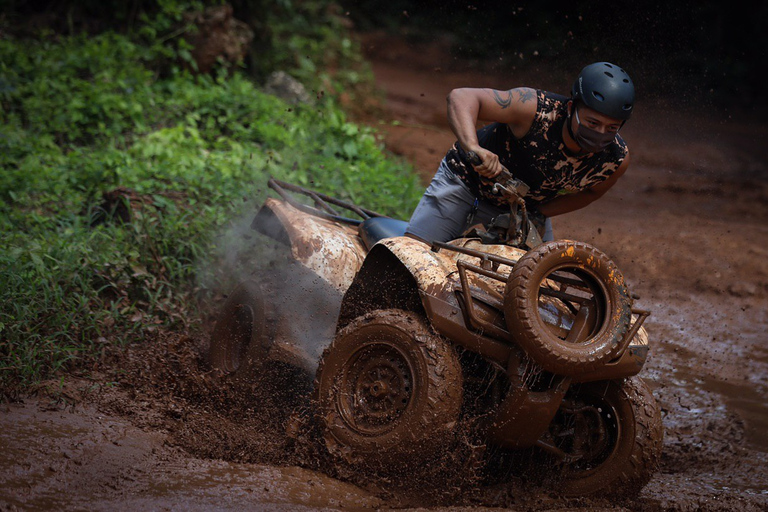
588,139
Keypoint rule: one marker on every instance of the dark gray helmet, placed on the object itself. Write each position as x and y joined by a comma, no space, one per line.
607,88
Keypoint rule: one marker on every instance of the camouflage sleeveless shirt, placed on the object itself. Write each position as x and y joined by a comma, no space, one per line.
539,158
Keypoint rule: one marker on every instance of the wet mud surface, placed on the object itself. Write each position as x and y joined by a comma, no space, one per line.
688,226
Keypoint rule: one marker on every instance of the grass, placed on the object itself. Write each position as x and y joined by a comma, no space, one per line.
82,116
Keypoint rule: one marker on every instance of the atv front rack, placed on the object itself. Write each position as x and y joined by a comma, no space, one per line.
322,203
489,265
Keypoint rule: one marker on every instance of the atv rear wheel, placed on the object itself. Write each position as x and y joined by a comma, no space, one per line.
242,334
612,430
388,392
566,304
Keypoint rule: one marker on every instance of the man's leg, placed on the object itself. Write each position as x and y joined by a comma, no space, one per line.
442,213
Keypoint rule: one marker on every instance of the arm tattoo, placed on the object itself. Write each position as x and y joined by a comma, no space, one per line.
503,102
526,94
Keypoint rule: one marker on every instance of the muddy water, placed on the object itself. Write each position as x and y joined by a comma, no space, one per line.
57,458
747,403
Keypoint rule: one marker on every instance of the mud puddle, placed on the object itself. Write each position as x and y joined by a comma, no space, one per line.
705,349
743,400
58,457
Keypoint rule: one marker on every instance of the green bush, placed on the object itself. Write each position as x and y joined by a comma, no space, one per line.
310,40
85,115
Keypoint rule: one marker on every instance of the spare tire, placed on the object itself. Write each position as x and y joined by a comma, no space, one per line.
241,338
567,306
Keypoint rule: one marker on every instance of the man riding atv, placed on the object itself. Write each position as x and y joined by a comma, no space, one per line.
568,151
481,346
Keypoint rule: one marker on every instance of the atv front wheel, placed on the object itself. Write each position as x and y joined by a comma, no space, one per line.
241,337
388,392
566,304
612,433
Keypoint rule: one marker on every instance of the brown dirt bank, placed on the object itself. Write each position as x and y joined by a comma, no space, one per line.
688,227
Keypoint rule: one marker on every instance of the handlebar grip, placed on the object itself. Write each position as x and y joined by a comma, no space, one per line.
473,158
502,177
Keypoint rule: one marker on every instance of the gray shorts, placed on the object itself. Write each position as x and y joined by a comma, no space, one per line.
444,210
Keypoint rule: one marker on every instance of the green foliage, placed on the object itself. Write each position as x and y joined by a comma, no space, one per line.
79,88
85,115
310,40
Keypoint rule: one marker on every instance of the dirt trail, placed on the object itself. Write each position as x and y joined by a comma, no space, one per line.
688,225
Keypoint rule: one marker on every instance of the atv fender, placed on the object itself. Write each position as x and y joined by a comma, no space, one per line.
396,274
433,270
331,250
383,282
403,273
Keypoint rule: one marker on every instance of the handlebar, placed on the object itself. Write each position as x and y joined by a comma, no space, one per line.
513,191
504,181
475,160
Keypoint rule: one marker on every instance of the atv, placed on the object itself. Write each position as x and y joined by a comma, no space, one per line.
533,346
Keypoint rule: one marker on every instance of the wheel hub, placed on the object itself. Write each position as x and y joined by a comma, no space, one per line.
377,388
586,432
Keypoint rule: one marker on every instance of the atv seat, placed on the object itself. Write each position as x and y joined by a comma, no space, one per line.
378,228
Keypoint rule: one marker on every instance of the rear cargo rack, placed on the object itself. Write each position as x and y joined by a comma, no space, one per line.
487,261
322,203
489,265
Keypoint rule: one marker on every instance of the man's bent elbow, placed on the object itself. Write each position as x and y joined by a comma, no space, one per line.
451,98
457,95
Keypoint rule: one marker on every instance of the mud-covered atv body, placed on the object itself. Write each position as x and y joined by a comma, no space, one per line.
528,348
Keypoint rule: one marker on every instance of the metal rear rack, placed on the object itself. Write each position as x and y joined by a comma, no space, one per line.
322,207
489,265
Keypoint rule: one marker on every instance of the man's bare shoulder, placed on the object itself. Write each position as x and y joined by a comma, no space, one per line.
515,107
516,96
525,95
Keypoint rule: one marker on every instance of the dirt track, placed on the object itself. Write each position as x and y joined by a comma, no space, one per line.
688,225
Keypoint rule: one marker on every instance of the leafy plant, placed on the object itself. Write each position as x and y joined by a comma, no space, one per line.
88,130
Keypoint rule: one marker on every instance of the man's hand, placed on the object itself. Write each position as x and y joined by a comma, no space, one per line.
489,166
